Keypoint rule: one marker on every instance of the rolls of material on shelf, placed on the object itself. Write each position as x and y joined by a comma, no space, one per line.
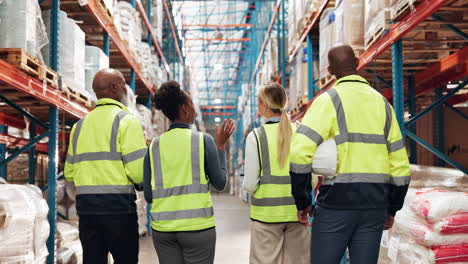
327,38
24,228
21,26
349,23
95,60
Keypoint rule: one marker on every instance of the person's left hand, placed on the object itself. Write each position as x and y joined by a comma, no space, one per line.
389,223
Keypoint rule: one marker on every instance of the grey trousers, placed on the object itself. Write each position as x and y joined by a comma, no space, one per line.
195,247
335,230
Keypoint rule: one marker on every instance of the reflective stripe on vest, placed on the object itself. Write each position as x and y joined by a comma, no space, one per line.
196,186
267,177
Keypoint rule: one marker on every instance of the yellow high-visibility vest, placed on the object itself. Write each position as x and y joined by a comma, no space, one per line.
181,196
106,151
272,202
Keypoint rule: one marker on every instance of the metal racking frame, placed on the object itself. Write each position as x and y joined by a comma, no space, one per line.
45,123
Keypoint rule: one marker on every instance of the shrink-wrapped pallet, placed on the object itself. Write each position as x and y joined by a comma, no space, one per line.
128,23
71,54
429,176
24,228
327,38
376,19
95,60
399,6
21,26
349,25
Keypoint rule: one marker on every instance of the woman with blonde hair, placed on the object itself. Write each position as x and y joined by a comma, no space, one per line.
276,235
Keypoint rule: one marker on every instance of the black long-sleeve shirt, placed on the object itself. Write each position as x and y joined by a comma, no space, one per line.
215,165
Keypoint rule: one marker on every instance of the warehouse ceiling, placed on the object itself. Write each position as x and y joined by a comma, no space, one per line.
214,36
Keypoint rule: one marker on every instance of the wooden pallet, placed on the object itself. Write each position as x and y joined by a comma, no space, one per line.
22,60
30,65
72,93
323,82
377,35
300,103
403,7
106,10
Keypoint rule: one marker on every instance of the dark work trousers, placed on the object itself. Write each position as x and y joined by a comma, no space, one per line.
196,247
335,230
117,234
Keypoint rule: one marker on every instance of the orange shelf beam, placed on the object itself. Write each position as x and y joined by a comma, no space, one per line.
25,83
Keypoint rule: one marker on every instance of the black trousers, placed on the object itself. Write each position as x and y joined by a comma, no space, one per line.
335,230
117,234
195,247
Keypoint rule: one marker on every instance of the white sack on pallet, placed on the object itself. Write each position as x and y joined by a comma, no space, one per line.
95,60
327,39
23,224
131,100
435,204
21,26
127,21
350,23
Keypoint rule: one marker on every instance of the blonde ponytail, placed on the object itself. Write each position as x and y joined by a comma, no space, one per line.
274,96
284,139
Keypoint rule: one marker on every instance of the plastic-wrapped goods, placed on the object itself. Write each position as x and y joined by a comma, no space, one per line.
327,38
70,190
396,248
397,5
142,213
21,26
349,25
71,51
128,23
131,100
453,224
70,253
435,204
24,228
376,18
61,186
144,115
428,176
95,60
407,222
66,233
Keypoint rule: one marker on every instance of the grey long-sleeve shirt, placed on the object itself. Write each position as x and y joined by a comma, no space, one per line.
215,165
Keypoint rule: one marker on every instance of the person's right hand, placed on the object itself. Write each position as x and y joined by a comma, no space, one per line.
303,216
389,222
224,132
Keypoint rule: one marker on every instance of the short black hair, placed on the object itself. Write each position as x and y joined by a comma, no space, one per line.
168,98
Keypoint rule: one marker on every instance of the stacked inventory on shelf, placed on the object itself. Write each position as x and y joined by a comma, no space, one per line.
48,63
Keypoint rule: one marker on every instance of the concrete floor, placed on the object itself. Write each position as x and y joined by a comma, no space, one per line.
232,229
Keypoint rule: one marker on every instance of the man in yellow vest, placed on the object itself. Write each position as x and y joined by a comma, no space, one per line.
105,161
355,205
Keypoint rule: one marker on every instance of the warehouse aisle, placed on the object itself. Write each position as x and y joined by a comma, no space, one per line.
233,233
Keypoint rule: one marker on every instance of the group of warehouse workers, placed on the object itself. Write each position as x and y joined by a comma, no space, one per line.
108,160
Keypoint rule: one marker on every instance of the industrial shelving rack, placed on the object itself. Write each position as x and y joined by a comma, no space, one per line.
42,105
404,79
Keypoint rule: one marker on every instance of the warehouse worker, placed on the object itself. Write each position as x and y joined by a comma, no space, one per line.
179,166
360,201
276,235
105,160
